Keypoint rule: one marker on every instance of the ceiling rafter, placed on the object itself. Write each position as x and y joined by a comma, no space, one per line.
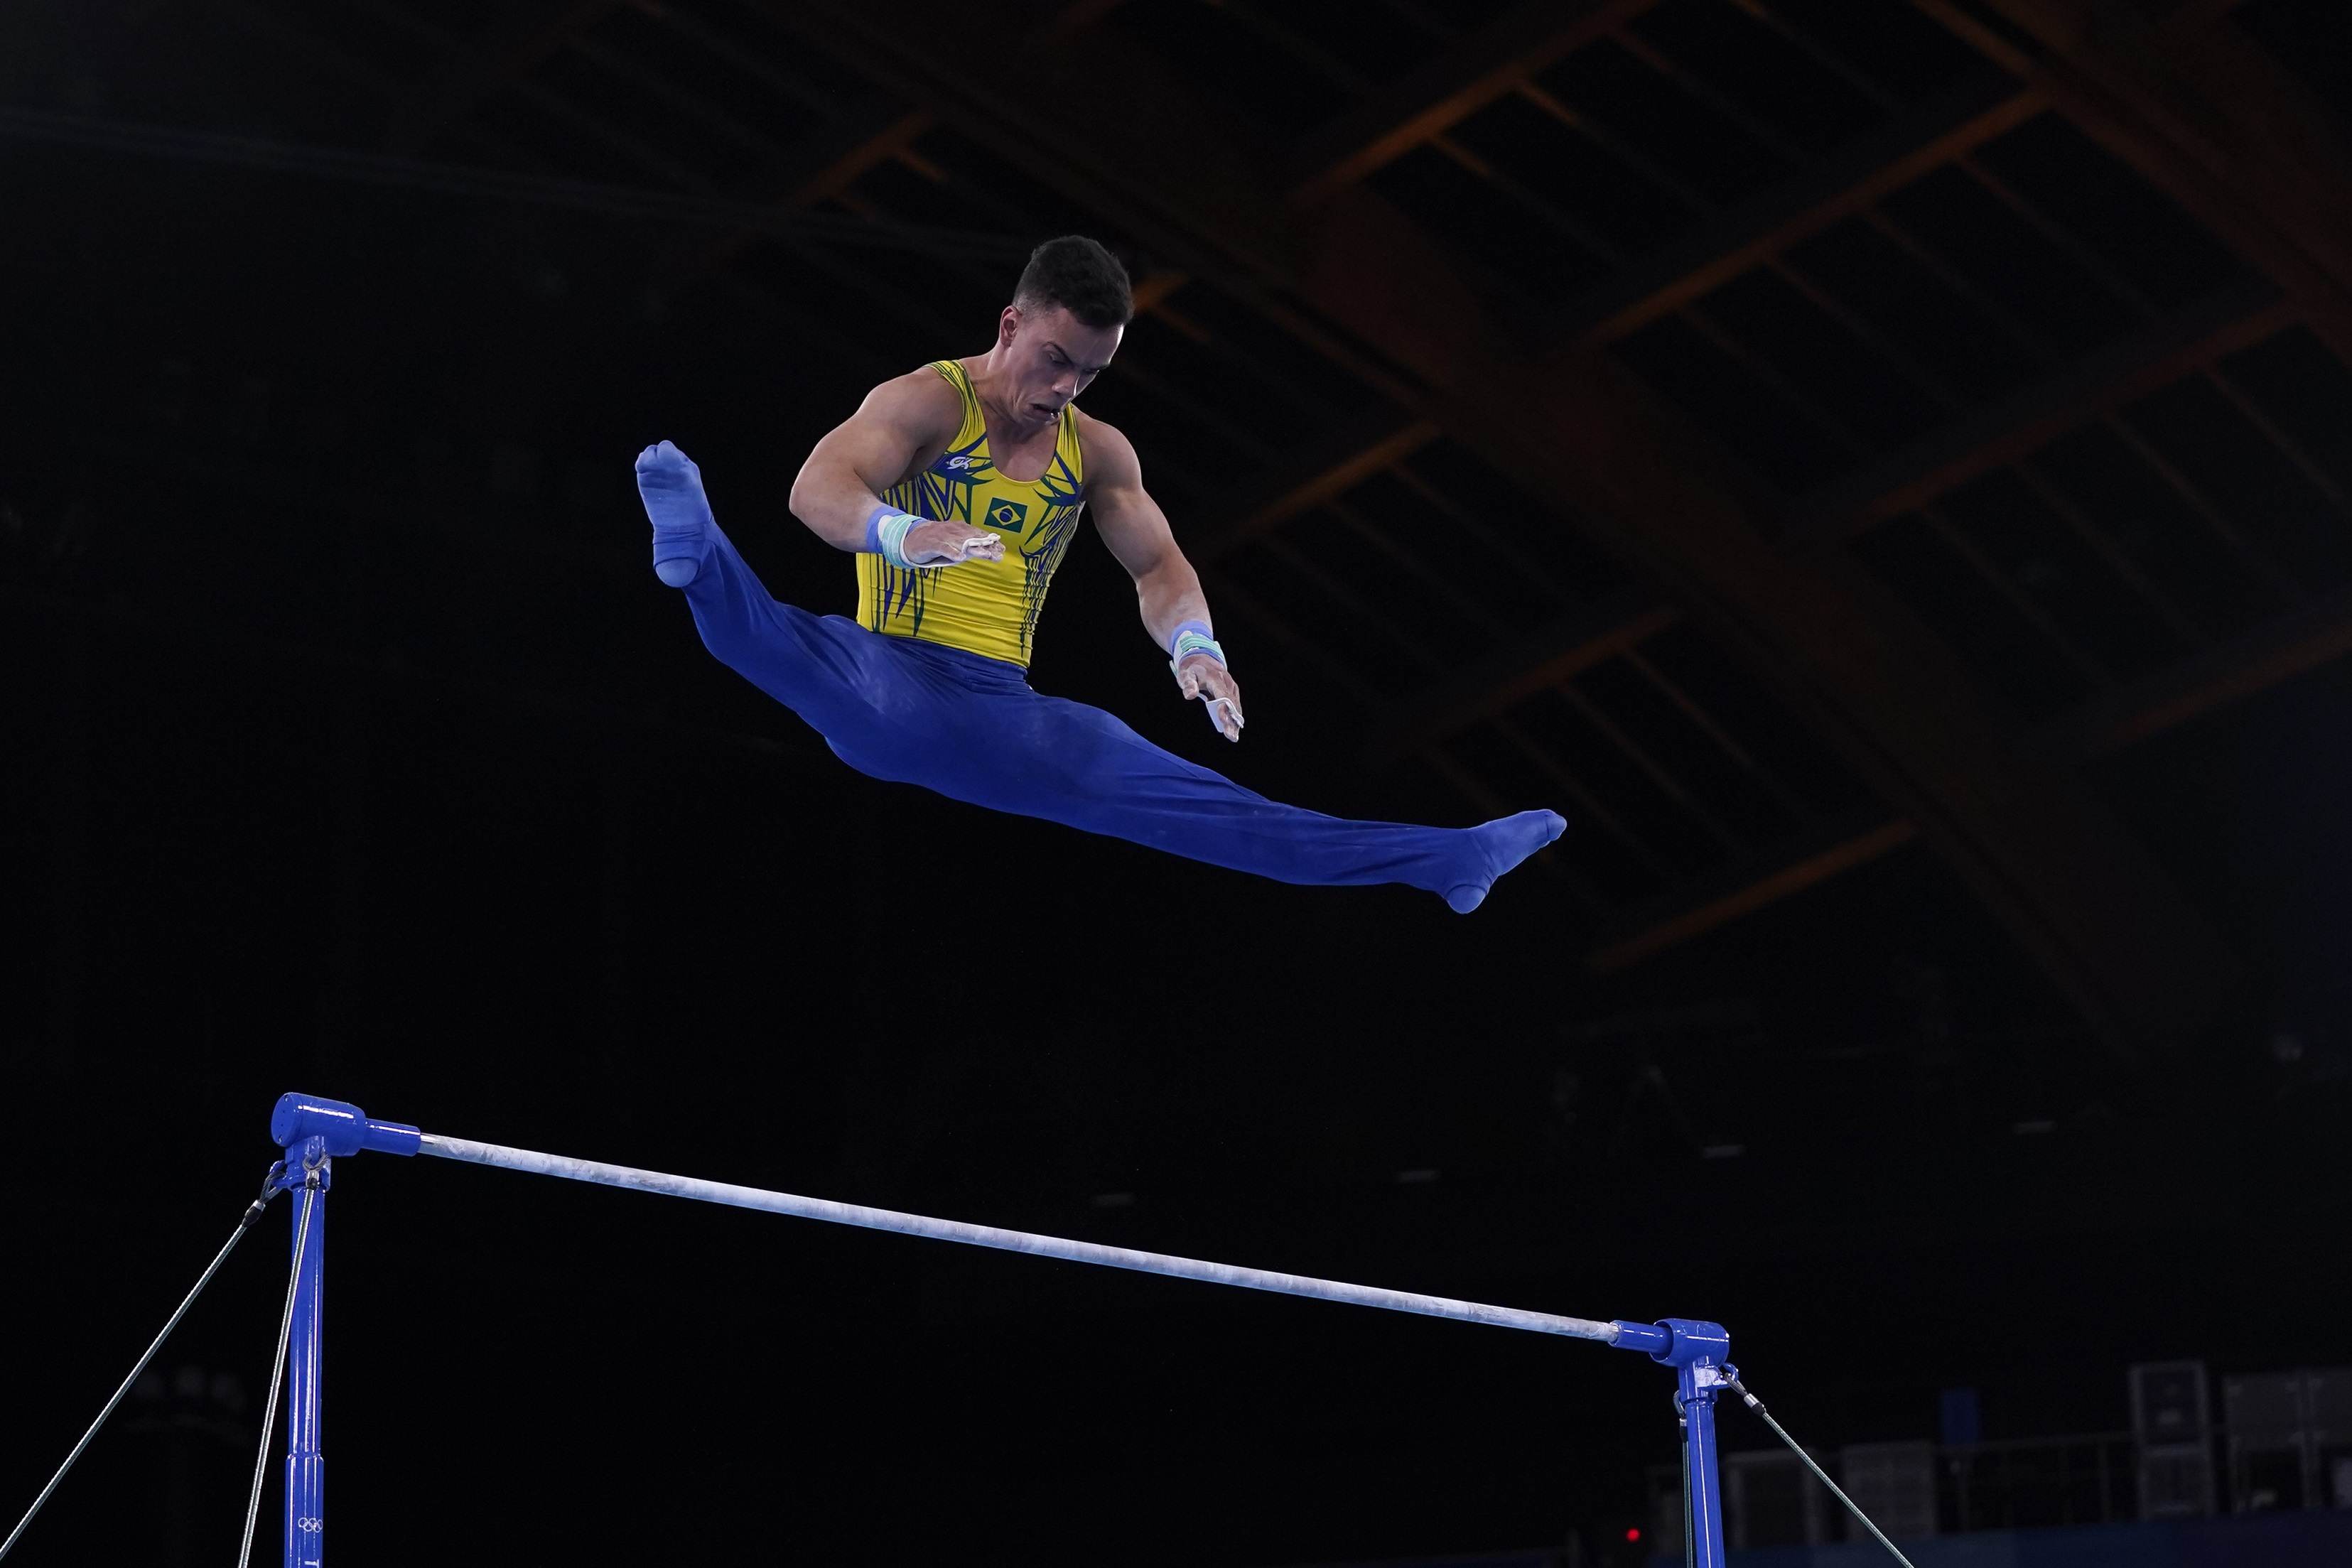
2238,667
2208,117
2285,646
2002,434
1929,138
1548,657
1938,134
821,167
1916,477
1319,473
1934,135
1962,449
852,141
2077,892
1913,480
1742,889
1472,73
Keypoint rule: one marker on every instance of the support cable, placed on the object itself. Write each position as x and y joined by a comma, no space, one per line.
1820,1474
278,1369
253,1211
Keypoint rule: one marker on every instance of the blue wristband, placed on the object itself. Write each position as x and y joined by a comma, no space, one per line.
1193,637
885,534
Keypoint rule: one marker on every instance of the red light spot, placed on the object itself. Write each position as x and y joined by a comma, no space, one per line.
1632,1535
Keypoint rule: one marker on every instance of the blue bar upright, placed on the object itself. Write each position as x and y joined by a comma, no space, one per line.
1700,1354
312,1131
306,1466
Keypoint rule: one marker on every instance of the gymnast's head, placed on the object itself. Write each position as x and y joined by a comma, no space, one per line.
1067,315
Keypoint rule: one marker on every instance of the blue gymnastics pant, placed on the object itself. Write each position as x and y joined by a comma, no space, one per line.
973,729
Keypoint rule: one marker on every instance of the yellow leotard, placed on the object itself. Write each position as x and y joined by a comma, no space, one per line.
983,607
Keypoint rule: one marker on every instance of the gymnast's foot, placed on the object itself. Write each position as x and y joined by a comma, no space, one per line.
671,487
1504,843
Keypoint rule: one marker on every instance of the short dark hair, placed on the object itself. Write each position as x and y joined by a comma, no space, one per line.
1082,277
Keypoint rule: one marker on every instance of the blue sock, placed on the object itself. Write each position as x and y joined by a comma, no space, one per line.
671,487
1507,841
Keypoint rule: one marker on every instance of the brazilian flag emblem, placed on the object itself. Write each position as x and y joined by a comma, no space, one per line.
1012,516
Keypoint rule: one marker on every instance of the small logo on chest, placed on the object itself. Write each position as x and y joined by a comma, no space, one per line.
1010,516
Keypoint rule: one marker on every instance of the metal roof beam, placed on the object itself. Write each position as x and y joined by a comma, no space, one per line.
1316,473
2304,639
2209,119
1546,657
1948,458
2291,645
1453,86
2078,893
1818,856
1914,144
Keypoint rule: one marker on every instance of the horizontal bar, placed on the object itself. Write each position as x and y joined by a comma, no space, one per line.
1020,1240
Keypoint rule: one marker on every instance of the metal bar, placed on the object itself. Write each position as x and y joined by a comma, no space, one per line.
832,1213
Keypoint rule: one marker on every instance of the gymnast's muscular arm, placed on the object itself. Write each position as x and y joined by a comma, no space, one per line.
1167,588
905,419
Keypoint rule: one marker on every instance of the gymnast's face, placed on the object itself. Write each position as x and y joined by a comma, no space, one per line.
1046,358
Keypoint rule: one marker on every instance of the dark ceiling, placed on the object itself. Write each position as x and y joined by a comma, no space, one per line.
1880,469
1953,393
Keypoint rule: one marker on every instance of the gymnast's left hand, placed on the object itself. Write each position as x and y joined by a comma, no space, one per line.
1201,676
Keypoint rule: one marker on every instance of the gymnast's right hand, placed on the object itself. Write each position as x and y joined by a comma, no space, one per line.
950,544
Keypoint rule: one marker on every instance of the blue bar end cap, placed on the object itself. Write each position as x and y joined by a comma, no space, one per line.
1677,1341
343,1128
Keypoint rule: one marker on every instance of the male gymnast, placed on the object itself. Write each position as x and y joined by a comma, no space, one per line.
959,486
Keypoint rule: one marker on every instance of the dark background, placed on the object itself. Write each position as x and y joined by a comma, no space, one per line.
351,747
